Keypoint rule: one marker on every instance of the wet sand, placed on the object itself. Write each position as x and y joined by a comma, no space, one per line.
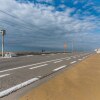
80,82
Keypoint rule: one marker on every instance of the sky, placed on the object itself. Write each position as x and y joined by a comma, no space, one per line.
43,24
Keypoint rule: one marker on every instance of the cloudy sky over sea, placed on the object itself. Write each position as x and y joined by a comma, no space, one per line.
32,24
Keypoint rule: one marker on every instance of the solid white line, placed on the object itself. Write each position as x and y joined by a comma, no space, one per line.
12,89
73,62
29,65
58,61
38,66
4,75
59,68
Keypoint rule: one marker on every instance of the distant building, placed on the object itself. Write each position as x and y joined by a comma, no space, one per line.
97,50
10,54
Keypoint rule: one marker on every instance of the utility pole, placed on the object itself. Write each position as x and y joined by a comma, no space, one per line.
3,32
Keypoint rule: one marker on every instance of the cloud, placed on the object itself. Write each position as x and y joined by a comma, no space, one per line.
47,1
42,25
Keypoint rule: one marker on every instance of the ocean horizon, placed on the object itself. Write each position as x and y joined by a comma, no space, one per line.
18,48
29,49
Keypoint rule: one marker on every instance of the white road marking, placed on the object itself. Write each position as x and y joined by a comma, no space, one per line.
60,68
79,59
43,54
38,66
83,57
39,76
74,57
58,61
19,86
73,62
68,59
4,75
27,56
29,65
52,54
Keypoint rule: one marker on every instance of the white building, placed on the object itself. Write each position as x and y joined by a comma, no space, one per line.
10,54
98,50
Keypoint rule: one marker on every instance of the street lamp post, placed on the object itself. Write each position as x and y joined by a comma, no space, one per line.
3,32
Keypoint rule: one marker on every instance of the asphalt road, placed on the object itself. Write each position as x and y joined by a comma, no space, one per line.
15,73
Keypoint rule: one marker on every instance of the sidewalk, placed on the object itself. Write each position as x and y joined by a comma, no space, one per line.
80,82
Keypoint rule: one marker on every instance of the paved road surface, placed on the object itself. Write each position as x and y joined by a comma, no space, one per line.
15,73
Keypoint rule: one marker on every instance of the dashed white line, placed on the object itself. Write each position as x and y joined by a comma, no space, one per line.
12,89
38,66
68,59
4,75
60,68
73,62
74,57
58,61
43,54
52,54
29,65
83,57
79,59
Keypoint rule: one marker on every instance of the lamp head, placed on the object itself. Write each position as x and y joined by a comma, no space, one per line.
3,32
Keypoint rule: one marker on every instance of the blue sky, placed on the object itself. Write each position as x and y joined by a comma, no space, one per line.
51,23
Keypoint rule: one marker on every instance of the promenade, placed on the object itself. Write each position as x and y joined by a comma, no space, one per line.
79,82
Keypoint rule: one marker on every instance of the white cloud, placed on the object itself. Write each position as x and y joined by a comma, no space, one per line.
42,23
47,1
